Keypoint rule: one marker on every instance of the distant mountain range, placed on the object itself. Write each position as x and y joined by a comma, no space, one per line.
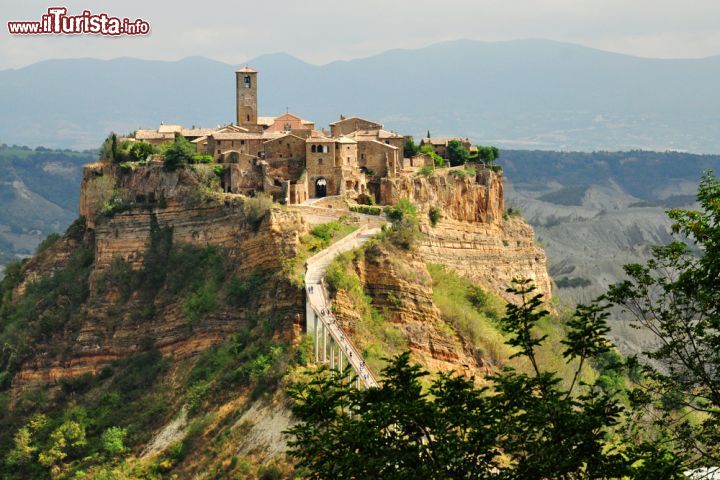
522,94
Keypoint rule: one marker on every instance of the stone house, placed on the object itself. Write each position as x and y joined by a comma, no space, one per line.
440,144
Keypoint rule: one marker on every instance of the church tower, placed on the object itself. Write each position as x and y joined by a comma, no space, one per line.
246,89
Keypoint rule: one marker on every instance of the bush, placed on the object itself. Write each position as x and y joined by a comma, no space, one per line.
464,172
202,158
112,440
435,214
140,151
326,231
200,303
255,208
404,230
430,152
426,170
366,209
512,212
242,291
49,241
179,153
410,149
458,154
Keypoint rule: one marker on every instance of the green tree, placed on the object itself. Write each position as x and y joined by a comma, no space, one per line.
458,154
487,155
518,426
430,152
676,297
410,149
140,151
112,440
179,153
65,440
404,229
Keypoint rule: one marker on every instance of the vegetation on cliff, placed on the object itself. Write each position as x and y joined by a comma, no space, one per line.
532,424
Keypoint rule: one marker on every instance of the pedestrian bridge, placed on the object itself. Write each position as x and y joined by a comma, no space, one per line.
331,344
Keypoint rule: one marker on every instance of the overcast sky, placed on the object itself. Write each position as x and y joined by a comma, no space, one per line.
319,31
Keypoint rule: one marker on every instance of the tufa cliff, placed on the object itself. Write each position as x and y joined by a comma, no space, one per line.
173,310
475,236
161,215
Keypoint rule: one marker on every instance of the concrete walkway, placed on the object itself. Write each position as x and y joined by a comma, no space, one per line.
319,319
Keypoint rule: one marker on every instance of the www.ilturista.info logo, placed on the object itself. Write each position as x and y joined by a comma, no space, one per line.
57,22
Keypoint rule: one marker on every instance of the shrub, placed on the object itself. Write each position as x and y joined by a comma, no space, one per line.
435,214
430,152
410,149
180,152
49,241
202,158
458,154
242,291
140,151
200,303
112,440
426,170
366,209
404,228
511,212
326,231
255,208
464,172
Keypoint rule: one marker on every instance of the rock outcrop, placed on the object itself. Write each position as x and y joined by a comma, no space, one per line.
110,328
475,236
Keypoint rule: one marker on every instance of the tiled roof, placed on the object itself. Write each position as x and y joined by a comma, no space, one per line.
320,140
354,118
236,136
283,136
153,135
196,132
440,140
246,70
372,140
169,128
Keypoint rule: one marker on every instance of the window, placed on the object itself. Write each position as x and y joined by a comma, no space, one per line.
248,81
242,142
362,156
312,149
319,161
248,117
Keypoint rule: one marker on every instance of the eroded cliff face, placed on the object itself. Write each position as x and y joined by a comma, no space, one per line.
111,326
400,288
474,236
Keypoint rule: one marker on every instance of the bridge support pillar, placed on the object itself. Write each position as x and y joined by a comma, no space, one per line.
332,355
324,342
316,341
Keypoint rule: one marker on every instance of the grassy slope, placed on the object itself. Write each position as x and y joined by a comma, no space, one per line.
143,392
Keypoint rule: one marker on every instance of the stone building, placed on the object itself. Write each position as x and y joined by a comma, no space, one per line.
286,157
440,144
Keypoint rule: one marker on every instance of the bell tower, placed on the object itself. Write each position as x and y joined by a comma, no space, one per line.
246,90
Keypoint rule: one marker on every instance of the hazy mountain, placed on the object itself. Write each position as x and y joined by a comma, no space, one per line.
520,94
595,212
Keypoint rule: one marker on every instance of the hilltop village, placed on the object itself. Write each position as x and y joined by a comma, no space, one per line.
289,158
